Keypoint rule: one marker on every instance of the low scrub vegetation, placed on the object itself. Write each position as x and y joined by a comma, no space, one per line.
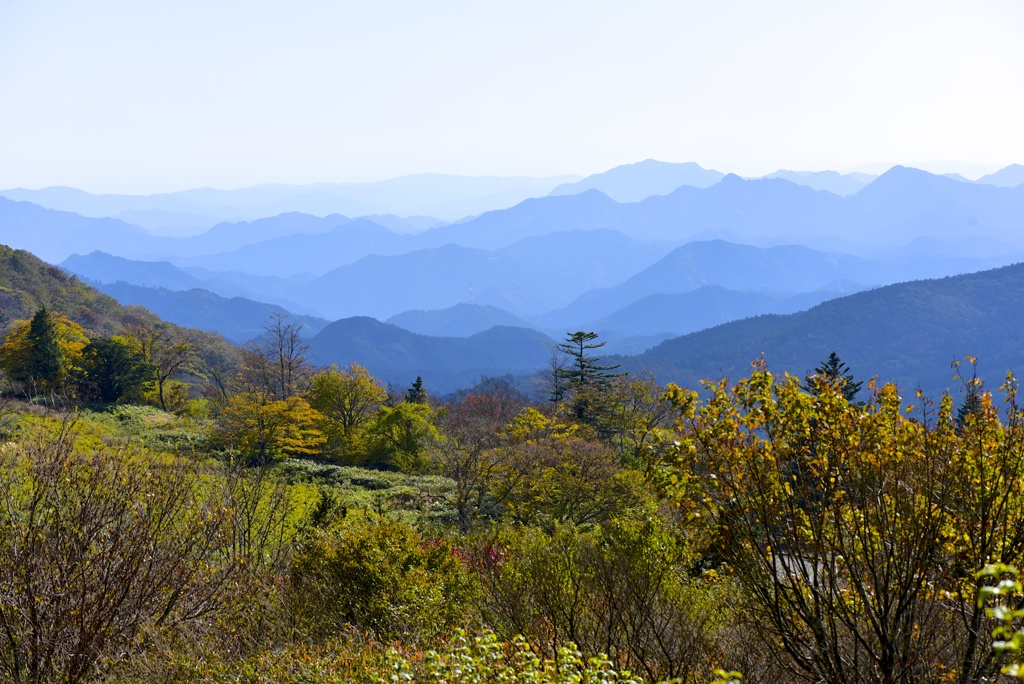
292,524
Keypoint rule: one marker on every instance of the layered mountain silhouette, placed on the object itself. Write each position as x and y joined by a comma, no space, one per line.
237,319
445,363
636,182
527,277
908,333
1006,177
449,197
461,320
838,184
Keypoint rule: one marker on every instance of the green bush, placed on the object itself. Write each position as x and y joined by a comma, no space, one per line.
423,497
485,660
377,575
623,589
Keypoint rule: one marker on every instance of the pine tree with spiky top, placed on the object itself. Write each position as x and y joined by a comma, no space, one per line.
585,378
833,372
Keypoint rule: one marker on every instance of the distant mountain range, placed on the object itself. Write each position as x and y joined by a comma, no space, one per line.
1007,177
675,261
445,363
636,182
831,181
908,333
461,320
237,319
189,212
597,280
527,277
901,206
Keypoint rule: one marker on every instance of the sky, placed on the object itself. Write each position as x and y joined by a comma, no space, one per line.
138,96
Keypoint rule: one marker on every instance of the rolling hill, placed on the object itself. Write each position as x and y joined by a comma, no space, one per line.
445,363
461,320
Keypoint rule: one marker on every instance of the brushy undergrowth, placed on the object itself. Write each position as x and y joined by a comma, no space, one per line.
423,497
357,658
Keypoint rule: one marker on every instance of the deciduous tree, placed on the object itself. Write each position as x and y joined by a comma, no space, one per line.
855,530
348,400
266,429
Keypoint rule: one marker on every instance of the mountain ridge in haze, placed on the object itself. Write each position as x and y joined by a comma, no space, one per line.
638,181
908,333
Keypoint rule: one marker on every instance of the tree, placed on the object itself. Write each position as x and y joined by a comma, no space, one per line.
168,350
855,531
112,369
973,404
276,364
637,412
833,372
348,399
266,429
45,362
43,353
397,435
466,446
551,474
585,379
416,394
584,368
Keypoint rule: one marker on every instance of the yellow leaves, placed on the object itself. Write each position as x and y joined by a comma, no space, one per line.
531,425
261,426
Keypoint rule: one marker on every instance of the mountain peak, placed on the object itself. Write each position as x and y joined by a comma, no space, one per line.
643,179
1007,177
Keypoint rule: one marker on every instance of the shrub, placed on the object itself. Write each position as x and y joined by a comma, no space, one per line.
378,575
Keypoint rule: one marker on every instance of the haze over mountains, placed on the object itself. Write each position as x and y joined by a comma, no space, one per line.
639,254
191,211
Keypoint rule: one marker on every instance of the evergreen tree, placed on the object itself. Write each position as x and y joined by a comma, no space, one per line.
833,372
113,370
583,368
45,361
971,407
585,379
416,394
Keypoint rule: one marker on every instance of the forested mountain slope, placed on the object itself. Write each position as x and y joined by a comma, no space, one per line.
27,284
908,333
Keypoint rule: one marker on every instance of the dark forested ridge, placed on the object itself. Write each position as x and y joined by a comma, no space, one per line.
908,333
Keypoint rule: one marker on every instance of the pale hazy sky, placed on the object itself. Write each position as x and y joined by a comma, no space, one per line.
140,96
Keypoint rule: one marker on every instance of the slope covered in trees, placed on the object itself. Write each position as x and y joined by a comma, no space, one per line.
907,333
29,286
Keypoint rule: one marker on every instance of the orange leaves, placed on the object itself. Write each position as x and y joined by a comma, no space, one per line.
267,429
